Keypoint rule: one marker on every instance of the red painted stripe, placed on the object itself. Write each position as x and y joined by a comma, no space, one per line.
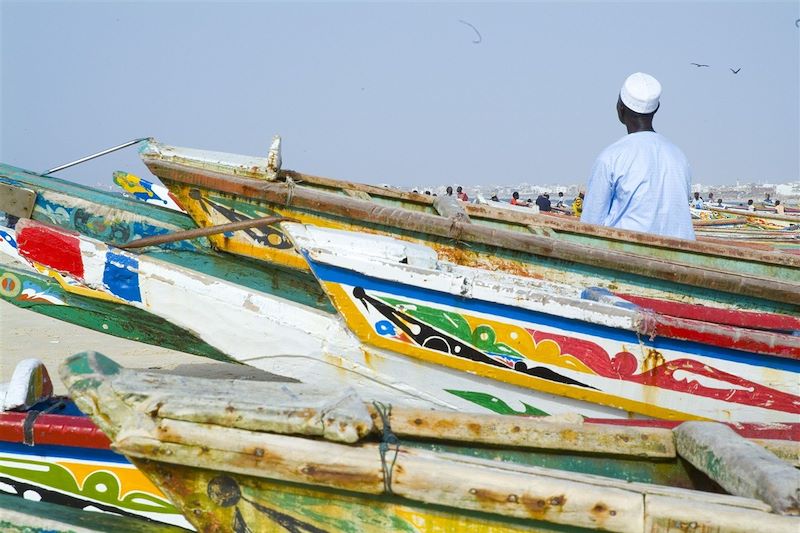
749,340
750,430
64,430
51,246
730,317
60,430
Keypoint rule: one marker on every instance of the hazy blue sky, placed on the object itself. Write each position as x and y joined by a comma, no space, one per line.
398,92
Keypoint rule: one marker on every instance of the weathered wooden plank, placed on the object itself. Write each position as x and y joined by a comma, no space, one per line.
338,415
788,450
460,482
664,514
353,193
719,222
603,481
558,500
538,229
760,214
741,467
16,201
529,432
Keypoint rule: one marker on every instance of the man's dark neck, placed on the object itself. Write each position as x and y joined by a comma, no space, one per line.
635,126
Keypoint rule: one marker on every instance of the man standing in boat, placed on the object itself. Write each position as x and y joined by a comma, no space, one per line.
640,182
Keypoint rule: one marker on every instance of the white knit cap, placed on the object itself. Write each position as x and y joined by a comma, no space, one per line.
640,93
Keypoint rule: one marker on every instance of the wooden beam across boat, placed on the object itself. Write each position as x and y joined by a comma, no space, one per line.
741,467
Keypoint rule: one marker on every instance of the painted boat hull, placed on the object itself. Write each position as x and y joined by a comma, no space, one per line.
499,328
225,477
64,460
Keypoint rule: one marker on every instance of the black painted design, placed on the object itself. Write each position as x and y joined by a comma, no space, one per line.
225,492
59,498
433,339
259,235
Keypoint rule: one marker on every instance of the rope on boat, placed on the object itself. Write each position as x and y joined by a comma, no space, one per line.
387,439
30,420
98,154
291,185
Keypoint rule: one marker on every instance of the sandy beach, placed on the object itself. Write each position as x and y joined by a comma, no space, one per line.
25,334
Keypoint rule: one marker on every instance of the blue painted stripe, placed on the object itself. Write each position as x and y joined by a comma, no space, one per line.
64,452
121,276
348,277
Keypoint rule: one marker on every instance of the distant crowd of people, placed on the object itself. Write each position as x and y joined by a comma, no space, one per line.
543,201
698,202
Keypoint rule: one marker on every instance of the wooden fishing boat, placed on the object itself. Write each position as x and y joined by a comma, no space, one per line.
755,220
744,227
215,188
759,219
268,332
511,342
55,463
322,460
580,342
118,220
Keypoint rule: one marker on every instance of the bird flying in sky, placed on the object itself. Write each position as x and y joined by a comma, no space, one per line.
699,64
737,70
480,37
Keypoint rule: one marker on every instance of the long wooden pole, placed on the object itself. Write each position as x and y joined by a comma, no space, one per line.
203,232
720,222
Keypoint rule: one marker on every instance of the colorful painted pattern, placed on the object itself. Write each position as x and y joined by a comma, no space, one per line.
112,229
267,243
661,377
146,191
111,486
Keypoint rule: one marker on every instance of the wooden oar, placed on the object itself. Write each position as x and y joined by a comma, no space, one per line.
202,232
